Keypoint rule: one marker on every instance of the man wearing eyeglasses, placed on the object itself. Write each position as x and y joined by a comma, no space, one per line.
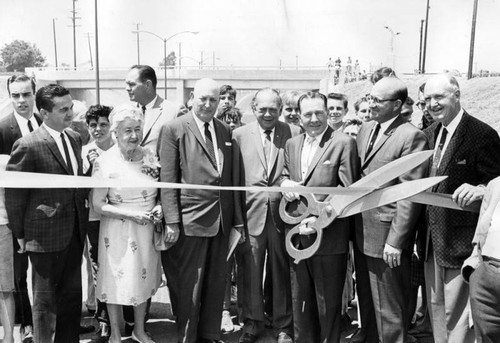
385,240
468,152
20,123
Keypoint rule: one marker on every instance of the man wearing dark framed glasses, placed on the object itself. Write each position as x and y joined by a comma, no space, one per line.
385,240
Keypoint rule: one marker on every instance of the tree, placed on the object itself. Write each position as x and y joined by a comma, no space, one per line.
170,60
20,54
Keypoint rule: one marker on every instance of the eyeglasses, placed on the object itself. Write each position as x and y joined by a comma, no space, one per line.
376,100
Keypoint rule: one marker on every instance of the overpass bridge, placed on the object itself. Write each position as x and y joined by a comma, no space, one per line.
180,82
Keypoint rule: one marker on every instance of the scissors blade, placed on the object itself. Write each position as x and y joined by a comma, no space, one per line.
389,195
443,200
396,168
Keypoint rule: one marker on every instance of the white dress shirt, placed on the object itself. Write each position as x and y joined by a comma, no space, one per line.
309,149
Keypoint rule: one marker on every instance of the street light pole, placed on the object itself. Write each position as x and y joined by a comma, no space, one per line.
165,40
393,34
55,41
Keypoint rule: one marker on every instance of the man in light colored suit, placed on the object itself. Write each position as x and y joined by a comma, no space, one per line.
20,123
50,224
197,149
141,87
468,152
385,240
319,157
260,153
482,268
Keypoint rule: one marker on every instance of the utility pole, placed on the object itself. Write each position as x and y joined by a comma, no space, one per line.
472,37
420,50
213,60
97,85
55,40
74,18
425,36
138,51
88,34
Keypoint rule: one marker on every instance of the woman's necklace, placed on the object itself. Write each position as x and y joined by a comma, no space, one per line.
130,155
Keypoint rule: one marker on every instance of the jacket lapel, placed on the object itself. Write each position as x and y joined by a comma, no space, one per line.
219,130
456,140
385,136
155,112
323,145
278,136
51,143
191,124
258,144
297,156
14,127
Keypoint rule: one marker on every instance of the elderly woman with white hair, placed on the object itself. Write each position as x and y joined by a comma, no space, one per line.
129,271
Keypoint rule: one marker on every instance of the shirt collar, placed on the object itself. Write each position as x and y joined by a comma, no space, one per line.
55,134
201,123
21,119
317,138
452,126
151,103
263,132
385,125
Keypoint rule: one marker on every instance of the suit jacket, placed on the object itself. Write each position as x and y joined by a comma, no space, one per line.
335,163
472,156
162,112
184,158
254,171
10,132
490,202
45,218
393,224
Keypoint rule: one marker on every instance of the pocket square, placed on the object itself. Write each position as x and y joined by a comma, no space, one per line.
327,162
229,144
462,162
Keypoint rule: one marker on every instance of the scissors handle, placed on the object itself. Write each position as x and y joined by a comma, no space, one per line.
302,254
304,207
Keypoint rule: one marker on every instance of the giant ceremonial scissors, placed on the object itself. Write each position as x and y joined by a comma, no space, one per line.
367,193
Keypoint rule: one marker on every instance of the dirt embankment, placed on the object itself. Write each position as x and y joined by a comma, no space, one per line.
480,96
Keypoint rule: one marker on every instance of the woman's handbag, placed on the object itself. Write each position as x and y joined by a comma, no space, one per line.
159,237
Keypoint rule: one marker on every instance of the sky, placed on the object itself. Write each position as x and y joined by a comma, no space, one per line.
261,33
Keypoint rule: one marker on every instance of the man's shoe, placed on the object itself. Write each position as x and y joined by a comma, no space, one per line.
86,329
227,322
102,335
283,337
26,333
247,338
358,337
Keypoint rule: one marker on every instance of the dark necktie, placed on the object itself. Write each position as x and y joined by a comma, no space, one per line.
267,145
210,143
30,126
143,110
66,152
439,152
376,129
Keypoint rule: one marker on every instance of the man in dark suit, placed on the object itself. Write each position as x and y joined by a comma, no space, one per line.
385,240
141,87
20,123
319,157
260,150
49,224
468,152
197,149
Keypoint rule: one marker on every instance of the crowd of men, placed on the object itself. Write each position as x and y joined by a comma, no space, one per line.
297,140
